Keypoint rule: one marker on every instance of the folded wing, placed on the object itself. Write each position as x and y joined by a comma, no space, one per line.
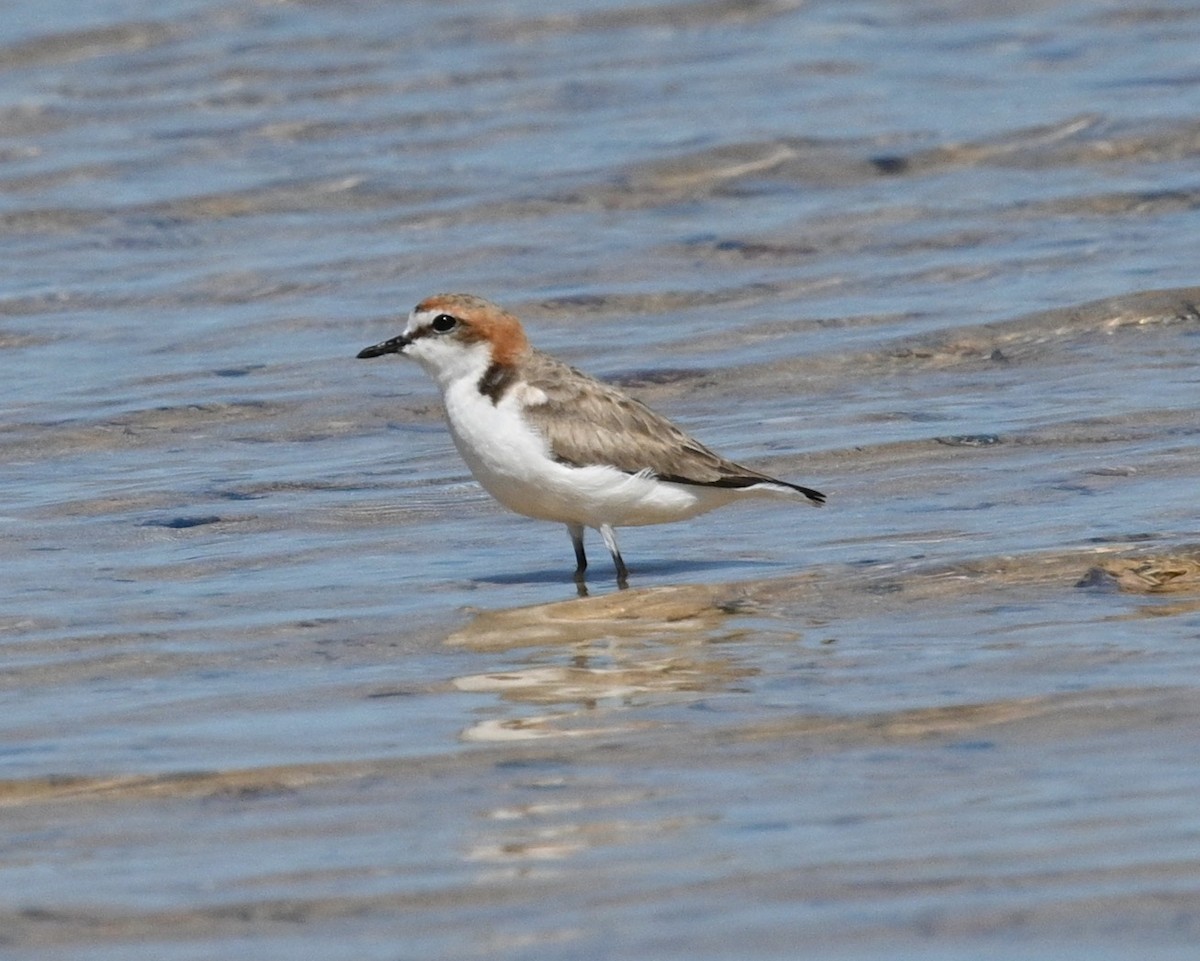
587,422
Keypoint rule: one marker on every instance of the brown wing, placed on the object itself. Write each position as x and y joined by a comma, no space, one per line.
587,422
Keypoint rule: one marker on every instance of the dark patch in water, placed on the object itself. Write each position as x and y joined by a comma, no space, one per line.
890,165
182,523
657,376
238,371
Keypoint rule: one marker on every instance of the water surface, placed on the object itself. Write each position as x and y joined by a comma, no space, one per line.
279,677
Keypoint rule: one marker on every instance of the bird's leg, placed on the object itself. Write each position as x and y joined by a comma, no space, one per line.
610,541
576,532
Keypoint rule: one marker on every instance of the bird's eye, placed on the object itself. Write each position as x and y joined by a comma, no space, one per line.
444,323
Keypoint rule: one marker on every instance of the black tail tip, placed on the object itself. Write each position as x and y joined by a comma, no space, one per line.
815,496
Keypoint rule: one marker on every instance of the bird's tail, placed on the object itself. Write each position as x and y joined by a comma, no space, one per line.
750,483
816,498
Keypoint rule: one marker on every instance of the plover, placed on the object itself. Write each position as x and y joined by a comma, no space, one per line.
552,443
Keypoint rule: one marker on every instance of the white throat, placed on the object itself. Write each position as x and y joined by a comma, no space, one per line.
450,363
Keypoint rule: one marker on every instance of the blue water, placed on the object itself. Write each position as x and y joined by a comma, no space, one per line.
281,679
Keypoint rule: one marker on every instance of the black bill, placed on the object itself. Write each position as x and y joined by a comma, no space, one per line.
394,346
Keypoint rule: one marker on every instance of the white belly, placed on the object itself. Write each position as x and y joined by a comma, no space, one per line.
513,464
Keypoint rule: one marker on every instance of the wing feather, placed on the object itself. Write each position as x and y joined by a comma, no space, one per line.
587,422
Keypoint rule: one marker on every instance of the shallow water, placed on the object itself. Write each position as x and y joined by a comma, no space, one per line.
279,678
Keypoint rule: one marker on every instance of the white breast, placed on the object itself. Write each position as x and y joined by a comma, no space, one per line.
503,453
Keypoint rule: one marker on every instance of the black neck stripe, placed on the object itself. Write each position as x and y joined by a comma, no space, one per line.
496,381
